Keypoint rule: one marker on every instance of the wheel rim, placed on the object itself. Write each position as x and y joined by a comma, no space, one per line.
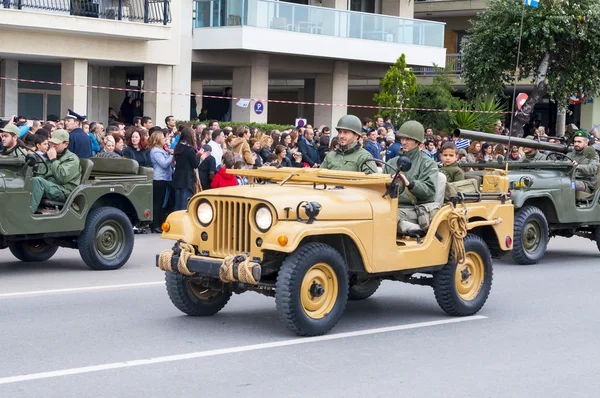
319,291
201,292
532,236
110,240
470,275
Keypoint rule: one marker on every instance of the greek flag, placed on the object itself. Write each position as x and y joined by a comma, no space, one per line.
462,143
532,3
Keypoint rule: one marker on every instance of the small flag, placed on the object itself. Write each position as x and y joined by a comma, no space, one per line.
462,143
532,3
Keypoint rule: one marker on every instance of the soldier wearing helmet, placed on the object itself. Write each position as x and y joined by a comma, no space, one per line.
350,154
420,180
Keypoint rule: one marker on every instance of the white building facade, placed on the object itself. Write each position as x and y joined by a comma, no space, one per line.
323,51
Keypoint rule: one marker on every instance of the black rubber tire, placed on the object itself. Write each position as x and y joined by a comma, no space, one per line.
32,251
289,283
444,286
183,297
361,291
523,217
88,248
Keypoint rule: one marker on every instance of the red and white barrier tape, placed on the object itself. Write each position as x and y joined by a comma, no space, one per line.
250,99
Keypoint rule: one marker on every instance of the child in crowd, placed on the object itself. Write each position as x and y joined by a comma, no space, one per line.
222,179
41,144
450,166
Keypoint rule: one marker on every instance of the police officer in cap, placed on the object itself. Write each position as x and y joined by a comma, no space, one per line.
80,143
350,154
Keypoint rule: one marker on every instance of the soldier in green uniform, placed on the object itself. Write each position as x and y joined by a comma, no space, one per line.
64,172
350,154
587,167
531,154
420,180
10,139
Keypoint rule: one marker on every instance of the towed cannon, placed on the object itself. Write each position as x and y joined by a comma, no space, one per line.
501,139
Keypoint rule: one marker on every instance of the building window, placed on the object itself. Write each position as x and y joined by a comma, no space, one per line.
38,104
362,5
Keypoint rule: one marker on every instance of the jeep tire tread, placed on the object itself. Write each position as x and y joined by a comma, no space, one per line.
203,303
529,221
445,288
302,312
364,290
32,251
106,242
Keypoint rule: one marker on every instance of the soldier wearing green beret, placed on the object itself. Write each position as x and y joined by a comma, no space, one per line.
63,175
586,163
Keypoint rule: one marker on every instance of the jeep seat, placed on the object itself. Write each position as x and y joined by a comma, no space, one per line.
121,166
411,226
86,171
584,196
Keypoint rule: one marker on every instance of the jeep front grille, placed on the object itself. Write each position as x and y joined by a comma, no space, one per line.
232,228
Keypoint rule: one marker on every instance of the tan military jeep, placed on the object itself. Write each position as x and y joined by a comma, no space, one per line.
315,238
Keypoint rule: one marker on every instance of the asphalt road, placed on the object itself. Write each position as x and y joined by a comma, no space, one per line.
70,332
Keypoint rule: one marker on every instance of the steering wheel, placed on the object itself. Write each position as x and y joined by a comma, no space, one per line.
39,160
556,156
369,169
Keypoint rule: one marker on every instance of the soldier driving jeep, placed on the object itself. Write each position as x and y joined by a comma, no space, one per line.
417,203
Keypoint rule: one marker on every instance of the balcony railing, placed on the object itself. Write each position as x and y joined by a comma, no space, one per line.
453,63
279,15
147,11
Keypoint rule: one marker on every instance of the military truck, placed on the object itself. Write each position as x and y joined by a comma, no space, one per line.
97,218
314,238
544,197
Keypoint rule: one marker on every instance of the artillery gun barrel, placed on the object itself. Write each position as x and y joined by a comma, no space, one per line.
501,139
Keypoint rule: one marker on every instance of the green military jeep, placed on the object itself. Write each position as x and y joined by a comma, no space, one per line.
544,198
97,218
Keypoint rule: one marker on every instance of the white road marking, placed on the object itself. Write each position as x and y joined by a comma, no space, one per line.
232,350
78,289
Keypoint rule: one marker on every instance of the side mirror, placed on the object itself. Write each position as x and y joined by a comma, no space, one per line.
404,163
30,160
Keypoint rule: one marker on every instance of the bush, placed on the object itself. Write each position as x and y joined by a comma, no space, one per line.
261,126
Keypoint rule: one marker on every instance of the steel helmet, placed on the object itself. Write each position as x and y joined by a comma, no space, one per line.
349,122
412,129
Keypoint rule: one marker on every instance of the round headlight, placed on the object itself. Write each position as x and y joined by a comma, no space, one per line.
205,213
263,218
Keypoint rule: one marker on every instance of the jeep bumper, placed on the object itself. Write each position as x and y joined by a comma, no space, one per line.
202,266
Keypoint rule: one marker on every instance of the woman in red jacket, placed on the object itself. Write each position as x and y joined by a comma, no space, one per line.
222,179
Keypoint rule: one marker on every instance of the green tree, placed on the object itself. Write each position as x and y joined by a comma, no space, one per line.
397,88
559,51
437,95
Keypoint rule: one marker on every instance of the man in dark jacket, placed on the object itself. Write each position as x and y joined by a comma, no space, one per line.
394,149
79,142
310,152
372,146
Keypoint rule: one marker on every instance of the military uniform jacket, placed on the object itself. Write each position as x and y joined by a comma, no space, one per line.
453,173
537,155
422,177
587,170
348,160
16,152
64,171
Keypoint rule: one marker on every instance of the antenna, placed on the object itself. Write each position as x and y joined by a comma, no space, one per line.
514,96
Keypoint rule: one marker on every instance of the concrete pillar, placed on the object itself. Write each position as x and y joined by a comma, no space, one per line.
98,98
198,88
309,96
118,79
158,106
251,82
590,114
337,4
182,71
9,90
74,71
398,8
331,88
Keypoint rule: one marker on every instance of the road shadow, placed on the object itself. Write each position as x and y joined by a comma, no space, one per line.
16,267
553,258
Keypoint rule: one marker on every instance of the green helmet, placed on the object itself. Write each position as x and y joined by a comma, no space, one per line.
349,122
412,129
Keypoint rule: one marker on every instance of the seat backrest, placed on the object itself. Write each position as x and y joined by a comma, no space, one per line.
118,166
86,169
440,188
146,171
598,178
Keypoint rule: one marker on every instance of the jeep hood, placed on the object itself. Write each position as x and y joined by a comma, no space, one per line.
348,203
